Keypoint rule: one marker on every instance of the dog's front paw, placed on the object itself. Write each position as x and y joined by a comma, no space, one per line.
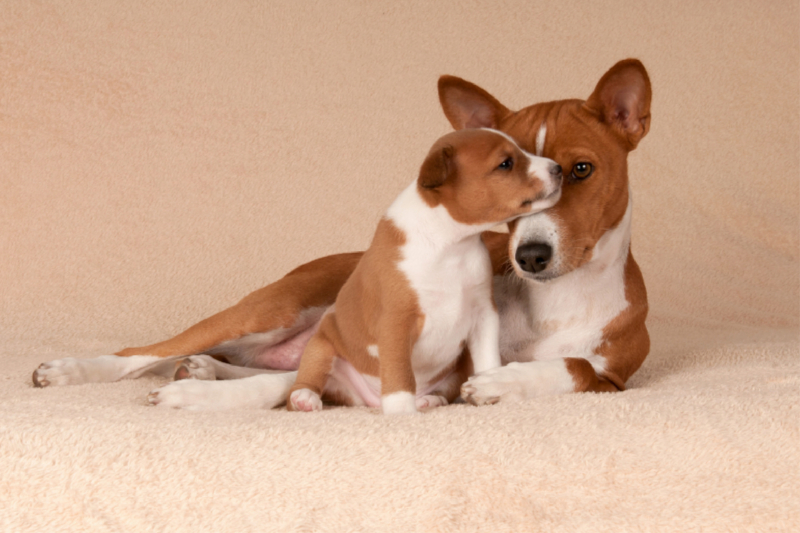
305,400
66,371
196,367
186,394
493,386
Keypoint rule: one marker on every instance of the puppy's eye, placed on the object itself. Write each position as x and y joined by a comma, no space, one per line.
581,171
507,164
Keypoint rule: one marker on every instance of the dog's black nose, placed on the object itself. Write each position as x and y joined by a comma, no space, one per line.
534,257
556,171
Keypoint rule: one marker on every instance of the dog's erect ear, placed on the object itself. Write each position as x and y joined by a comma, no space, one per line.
468,106
622,99
437,167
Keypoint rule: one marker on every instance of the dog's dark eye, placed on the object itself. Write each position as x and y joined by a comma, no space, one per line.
507,164
581,171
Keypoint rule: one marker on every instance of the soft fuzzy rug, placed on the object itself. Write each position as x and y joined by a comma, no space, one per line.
160,160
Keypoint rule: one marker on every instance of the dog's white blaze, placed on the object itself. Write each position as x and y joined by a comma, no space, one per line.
541,135
399,403
565,317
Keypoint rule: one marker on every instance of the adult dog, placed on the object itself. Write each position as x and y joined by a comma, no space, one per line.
571,298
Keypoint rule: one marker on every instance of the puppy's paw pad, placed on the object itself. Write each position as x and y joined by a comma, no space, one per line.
305,400
196,367
430,401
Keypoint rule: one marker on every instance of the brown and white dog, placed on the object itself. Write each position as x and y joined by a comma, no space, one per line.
571,298
422,292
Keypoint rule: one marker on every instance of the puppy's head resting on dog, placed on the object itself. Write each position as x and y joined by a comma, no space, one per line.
481,177
590,140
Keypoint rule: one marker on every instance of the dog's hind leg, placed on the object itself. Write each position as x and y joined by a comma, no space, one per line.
279,310
105,368
263,391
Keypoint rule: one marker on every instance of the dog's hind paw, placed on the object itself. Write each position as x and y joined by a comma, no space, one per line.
66,371
196,367
430,401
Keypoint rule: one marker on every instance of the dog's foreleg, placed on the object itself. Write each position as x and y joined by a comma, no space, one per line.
522,381
484,342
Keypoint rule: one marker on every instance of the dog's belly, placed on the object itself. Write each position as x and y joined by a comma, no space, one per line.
280,349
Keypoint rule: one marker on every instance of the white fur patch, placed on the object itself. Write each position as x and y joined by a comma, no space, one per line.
399,403
372,349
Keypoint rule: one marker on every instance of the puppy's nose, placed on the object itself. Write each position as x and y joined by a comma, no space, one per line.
534,257
556,172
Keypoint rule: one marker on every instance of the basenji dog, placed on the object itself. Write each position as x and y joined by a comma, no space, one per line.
571,298
422,292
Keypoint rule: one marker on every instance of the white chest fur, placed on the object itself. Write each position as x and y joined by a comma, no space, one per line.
449,269
565,317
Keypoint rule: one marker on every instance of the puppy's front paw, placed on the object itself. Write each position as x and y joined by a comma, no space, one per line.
399,403
492,386
66,371
305,400
196,367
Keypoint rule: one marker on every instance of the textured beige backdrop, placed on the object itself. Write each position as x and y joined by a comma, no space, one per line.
159,160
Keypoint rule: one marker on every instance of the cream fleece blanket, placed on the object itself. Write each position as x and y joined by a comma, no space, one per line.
160,160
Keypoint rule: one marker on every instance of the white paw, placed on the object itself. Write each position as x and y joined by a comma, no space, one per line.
493,386
305,400
196,367
66,371
187,394
399,403
430,401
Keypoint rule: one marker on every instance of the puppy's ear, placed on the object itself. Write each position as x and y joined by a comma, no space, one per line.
622,100
468,106
437,167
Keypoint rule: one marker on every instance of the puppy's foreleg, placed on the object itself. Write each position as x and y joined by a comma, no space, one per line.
315,366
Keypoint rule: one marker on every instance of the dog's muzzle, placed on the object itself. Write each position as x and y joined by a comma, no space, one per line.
534,257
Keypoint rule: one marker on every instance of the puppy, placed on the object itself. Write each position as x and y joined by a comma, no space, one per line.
416,317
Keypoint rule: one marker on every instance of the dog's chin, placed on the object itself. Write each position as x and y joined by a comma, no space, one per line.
540,277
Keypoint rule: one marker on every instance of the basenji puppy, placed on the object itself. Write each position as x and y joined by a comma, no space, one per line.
423,289
571,298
